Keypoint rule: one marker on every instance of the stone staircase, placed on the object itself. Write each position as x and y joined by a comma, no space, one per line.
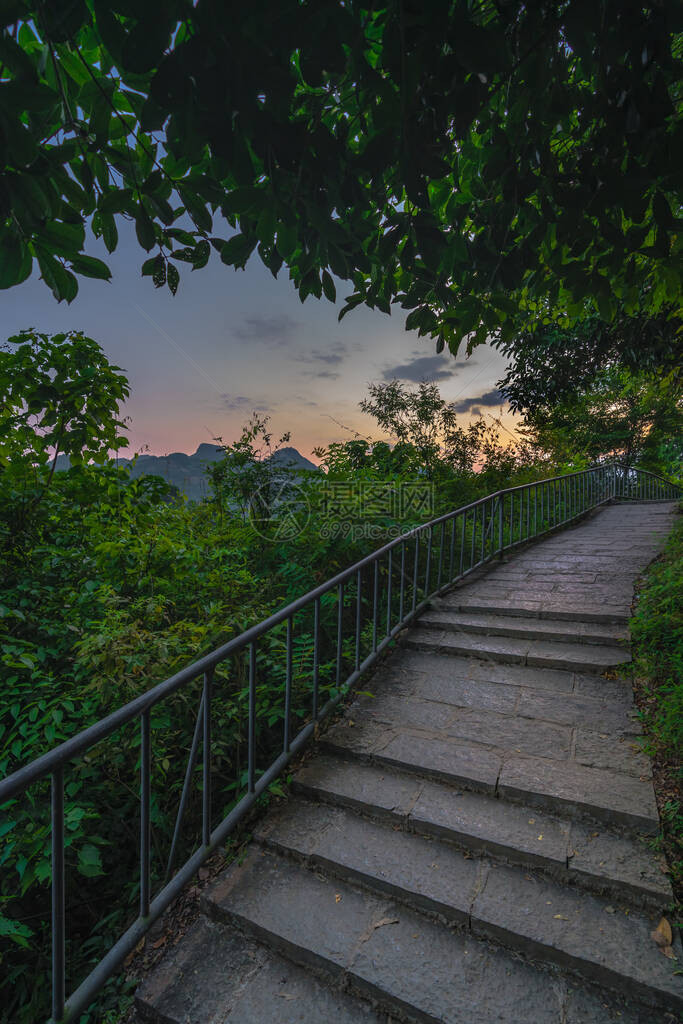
468,844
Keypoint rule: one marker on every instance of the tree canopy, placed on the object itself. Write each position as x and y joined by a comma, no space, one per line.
483,164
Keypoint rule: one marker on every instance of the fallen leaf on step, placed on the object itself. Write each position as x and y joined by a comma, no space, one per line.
159,942
286,995
337,897
610,910
662,934
560,917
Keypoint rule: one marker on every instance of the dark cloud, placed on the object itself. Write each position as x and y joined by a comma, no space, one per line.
331,358
322,374
489,399
271,330
234,401
334,357
432,368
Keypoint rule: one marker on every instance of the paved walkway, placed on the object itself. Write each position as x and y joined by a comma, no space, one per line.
468,843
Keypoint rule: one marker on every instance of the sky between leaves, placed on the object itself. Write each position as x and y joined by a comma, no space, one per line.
235,341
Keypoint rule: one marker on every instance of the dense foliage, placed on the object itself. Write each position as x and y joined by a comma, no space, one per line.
482,164
657,635
552,364
637,418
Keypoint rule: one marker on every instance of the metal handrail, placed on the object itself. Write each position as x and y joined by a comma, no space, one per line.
488,526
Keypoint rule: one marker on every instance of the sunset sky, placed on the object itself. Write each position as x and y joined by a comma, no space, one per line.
235,341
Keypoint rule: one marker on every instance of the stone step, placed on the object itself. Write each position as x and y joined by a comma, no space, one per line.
560,786
527,913
217,976
460,601
575,657
601,861
597,704
418,969
488,624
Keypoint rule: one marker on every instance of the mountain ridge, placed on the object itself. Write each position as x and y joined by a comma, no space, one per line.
188,472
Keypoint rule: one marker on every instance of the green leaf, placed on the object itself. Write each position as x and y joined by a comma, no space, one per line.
144,229
172,278
329,287
89,266
237,250
15,260
62,282
63,238
89,861
196,208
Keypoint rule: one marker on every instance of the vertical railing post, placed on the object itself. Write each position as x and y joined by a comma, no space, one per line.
415,570
451,559
145,798
390,568
206,760
359,602
440,571
375,603
340,625
58,887
251,748
430,539
401,595
501,502
316,656
288,689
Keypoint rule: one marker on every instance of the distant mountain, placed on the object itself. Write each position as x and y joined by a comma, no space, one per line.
188,472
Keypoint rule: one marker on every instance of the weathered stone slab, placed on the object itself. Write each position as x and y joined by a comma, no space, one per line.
600,795
363,737
450,668
586,1007
430,875
199,981
517,675
616,753
495,648
354,784
466,693
575,657
437,975
618,691
459,763
216,976
578,931
397,709
459,603
576,709
622,863
265,895
523,628
485,823
512,733
286,994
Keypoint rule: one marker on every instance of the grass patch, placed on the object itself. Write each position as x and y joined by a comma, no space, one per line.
657,636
